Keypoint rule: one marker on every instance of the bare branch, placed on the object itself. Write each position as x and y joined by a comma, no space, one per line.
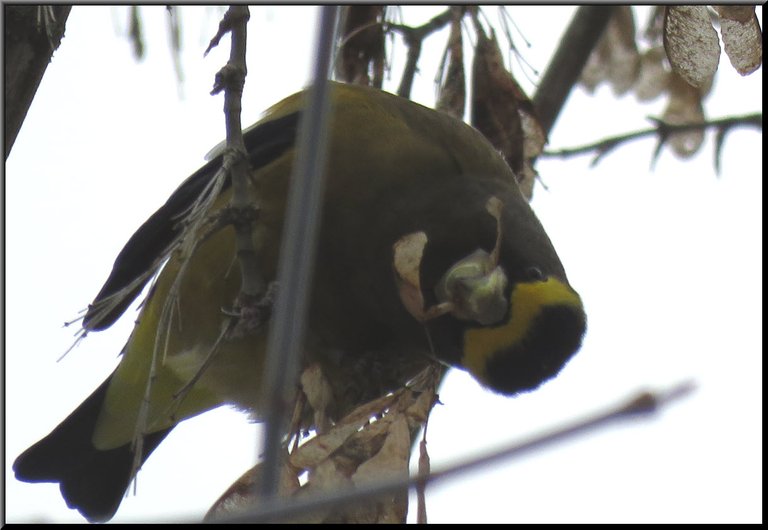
32,33
577,44
661,131
414,37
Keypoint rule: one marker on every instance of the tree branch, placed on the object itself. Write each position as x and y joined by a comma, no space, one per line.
564,70
32,33
661,131
253,304
413,39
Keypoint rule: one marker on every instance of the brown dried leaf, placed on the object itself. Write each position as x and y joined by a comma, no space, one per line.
242,494
654,76
320,447
319,395
526,180
684,106
742,38
381,449
743,14
494,206
408,251
496,99
418,412
624,58
596,69
424,470
533,145
452,93
615,58
691,43
362,50
357,449
502,111
654,29
391,461
327,476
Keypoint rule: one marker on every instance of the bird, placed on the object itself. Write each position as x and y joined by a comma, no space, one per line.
486,293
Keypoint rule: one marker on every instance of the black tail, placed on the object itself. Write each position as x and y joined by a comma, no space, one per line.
92,481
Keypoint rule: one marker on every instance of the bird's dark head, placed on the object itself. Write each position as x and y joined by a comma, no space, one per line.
540,332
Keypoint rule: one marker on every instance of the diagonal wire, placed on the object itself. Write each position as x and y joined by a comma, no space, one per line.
645,404
297,255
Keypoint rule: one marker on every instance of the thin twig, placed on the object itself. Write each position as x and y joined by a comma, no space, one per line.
231,78
413,39
662,131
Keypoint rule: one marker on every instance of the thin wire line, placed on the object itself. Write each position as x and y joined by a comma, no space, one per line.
642,405
297,255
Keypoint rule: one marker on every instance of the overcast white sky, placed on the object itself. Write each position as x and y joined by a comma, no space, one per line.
669,264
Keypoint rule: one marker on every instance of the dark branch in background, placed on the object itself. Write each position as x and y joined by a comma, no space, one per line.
662,132
32,33
643,405
361,55
413,39
135,33
174,34
564,70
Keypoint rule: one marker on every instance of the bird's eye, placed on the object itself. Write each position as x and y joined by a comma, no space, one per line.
534,274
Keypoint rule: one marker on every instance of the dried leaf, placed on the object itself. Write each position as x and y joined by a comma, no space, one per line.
502,111
362,49
310,454
625,59
391,461
615,59
424,470
534,140
654,76
495,102
691,43
596,69
684,107
654,29
325,477
358,449
742,38
452,93
242,494
408,251
526,179
319,395
381,449
494,206
418,412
